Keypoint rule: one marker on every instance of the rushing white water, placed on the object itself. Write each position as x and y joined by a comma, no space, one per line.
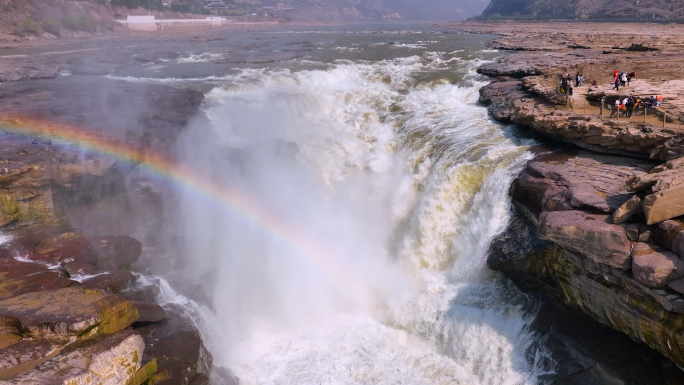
402,183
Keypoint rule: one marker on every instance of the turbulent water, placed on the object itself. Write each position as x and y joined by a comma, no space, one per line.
383,182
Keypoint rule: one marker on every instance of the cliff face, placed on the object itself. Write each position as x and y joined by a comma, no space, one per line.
598,223
587,9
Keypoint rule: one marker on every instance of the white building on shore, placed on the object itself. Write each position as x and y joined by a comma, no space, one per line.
150,23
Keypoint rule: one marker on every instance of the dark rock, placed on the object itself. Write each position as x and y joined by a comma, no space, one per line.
150,312
178,348
109,283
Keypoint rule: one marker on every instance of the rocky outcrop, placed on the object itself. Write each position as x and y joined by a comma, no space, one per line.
510,100
61,320
66,314
110,360
623,275
589,234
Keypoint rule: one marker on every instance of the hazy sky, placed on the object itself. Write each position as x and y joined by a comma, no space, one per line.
441,9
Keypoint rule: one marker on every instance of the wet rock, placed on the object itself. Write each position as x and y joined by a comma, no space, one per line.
150,312
200,379
103,253
179,351
588,234
17,277
109,283
111,359
224,376
66,313
654,266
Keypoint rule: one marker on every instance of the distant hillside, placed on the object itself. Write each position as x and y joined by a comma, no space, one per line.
363,10
29,19
586,9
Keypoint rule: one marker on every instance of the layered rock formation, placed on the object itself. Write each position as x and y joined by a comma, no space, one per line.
64,316
596,226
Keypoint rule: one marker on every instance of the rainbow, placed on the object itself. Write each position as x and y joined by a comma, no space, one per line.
164,168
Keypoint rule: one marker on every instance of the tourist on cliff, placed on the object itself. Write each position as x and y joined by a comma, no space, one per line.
651,103
623,79
637,104
624,106
616,109
615,76
616,84
630,107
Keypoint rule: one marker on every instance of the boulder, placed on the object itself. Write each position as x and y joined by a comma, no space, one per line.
107,360
654,266
103,253
632,231
24,355
663,205
178,349
110,283
66,313
670,235
588,234
150,312
629,208
669,165
19,277
657,181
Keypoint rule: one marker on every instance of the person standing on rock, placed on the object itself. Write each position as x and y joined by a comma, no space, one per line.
637,104
623,79
616,84
624,106
651,103
616,110
630,107
615,76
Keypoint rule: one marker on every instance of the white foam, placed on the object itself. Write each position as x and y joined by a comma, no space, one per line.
402,186
4,238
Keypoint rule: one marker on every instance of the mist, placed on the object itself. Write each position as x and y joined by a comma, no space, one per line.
348,238
440,10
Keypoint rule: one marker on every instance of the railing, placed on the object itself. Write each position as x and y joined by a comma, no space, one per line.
657,112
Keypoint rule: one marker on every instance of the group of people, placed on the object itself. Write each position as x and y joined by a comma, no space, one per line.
632,105
565,82
622,79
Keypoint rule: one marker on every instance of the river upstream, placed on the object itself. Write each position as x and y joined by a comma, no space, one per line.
358,188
